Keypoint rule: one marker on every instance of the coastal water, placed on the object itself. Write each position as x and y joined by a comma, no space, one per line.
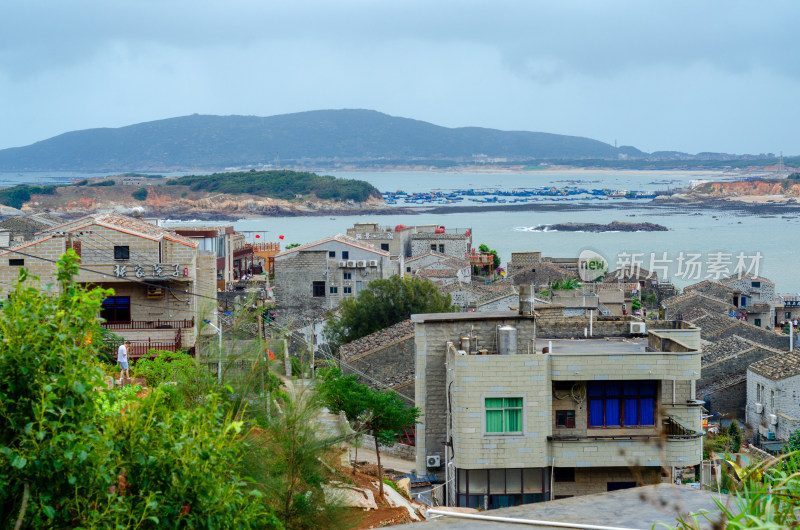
717,236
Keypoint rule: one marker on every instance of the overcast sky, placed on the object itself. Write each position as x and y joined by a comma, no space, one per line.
689,76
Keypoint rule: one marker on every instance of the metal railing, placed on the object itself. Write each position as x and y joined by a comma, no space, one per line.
151,324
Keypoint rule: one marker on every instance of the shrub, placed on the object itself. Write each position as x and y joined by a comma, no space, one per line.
140,194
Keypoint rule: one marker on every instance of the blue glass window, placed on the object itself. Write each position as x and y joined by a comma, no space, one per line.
621,403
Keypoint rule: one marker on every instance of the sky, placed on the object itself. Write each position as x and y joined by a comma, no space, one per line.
690,76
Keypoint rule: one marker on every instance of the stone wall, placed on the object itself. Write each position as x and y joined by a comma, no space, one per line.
294,277
455,245
406,452
589,481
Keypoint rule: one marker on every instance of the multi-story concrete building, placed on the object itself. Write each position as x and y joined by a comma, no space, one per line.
394,240
163,284
756,297
313,279
439,268
773,396
527,406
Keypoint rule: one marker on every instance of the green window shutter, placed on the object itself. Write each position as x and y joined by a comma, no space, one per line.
494,420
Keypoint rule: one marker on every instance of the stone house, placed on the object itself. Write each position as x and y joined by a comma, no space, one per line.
539,274
441,269
311,280
454,242
723,383
756,295
787,308
773,396
163,284
519,407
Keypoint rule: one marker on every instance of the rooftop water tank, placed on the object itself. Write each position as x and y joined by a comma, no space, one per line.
439,230
399,227
507,340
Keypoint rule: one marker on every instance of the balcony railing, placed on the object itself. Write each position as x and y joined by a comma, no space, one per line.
141,348
151,324
673,429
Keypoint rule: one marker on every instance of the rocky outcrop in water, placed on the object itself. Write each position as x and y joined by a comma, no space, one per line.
614,226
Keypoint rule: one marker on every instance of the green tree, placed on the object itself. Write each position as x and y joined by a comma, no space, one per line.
387,416
384,303
344,394
735,434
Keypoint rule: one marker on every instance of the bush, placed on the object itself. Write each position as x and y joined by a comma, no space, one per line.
100,183
140,194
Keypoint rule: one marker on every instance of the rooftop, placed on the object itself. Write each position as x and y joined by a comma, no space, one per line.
341,238
779,366
593,346
123,223
642,507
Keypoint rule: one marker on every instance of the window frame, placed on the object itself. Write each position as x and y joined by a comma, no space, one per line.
385,246
567,422
622,397
347,289
317,287
333,289
16,262
345,254
521,408
347,275
332,254
120,250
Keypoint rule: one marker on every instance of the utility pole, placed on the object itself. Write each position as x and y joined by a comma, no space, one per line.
313,347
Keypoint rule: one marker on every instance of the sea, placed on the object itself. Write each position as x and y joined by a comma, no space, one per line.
699,244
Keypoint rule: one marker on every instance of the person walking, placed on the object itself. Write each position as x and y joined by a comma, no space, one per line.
122,359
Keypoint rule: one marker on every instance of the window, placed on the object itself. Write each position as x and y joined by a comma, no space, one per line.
122,252
757,322
318,289
16,262
333,290
504,415
347,290
408,269
345,254
758,393
788,314
756,285
116,309
501,487
564,474
347,275
772,400
441,249
331,253
384,246
433,247
621,403
565,419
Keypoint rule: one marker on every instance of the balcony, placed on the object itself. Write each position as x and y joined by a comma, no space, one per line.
150,324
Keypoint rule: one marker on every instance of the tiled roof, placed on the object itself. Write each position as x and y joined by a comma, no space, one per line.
341,238
126,224
451,261
376,340
25,244
731,279
779,366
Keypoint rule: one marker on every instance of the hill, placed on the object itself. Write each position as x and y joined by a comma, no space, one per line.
210,142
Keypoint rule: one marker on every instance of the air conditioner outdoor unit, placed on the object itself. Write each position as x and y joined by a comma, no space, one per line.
343,264
759,408
638,328
362,263
773,419
351,263
433,461
373,263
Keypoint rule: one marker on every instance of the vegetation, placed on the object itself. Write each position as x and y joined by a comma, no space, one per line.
280,185
485,249
102,183
384,303
765,498
382,413
140,194
793,444
16,196
291,246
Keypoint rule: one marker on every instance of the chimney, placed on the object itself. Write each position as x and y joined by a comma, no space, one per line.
525,300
